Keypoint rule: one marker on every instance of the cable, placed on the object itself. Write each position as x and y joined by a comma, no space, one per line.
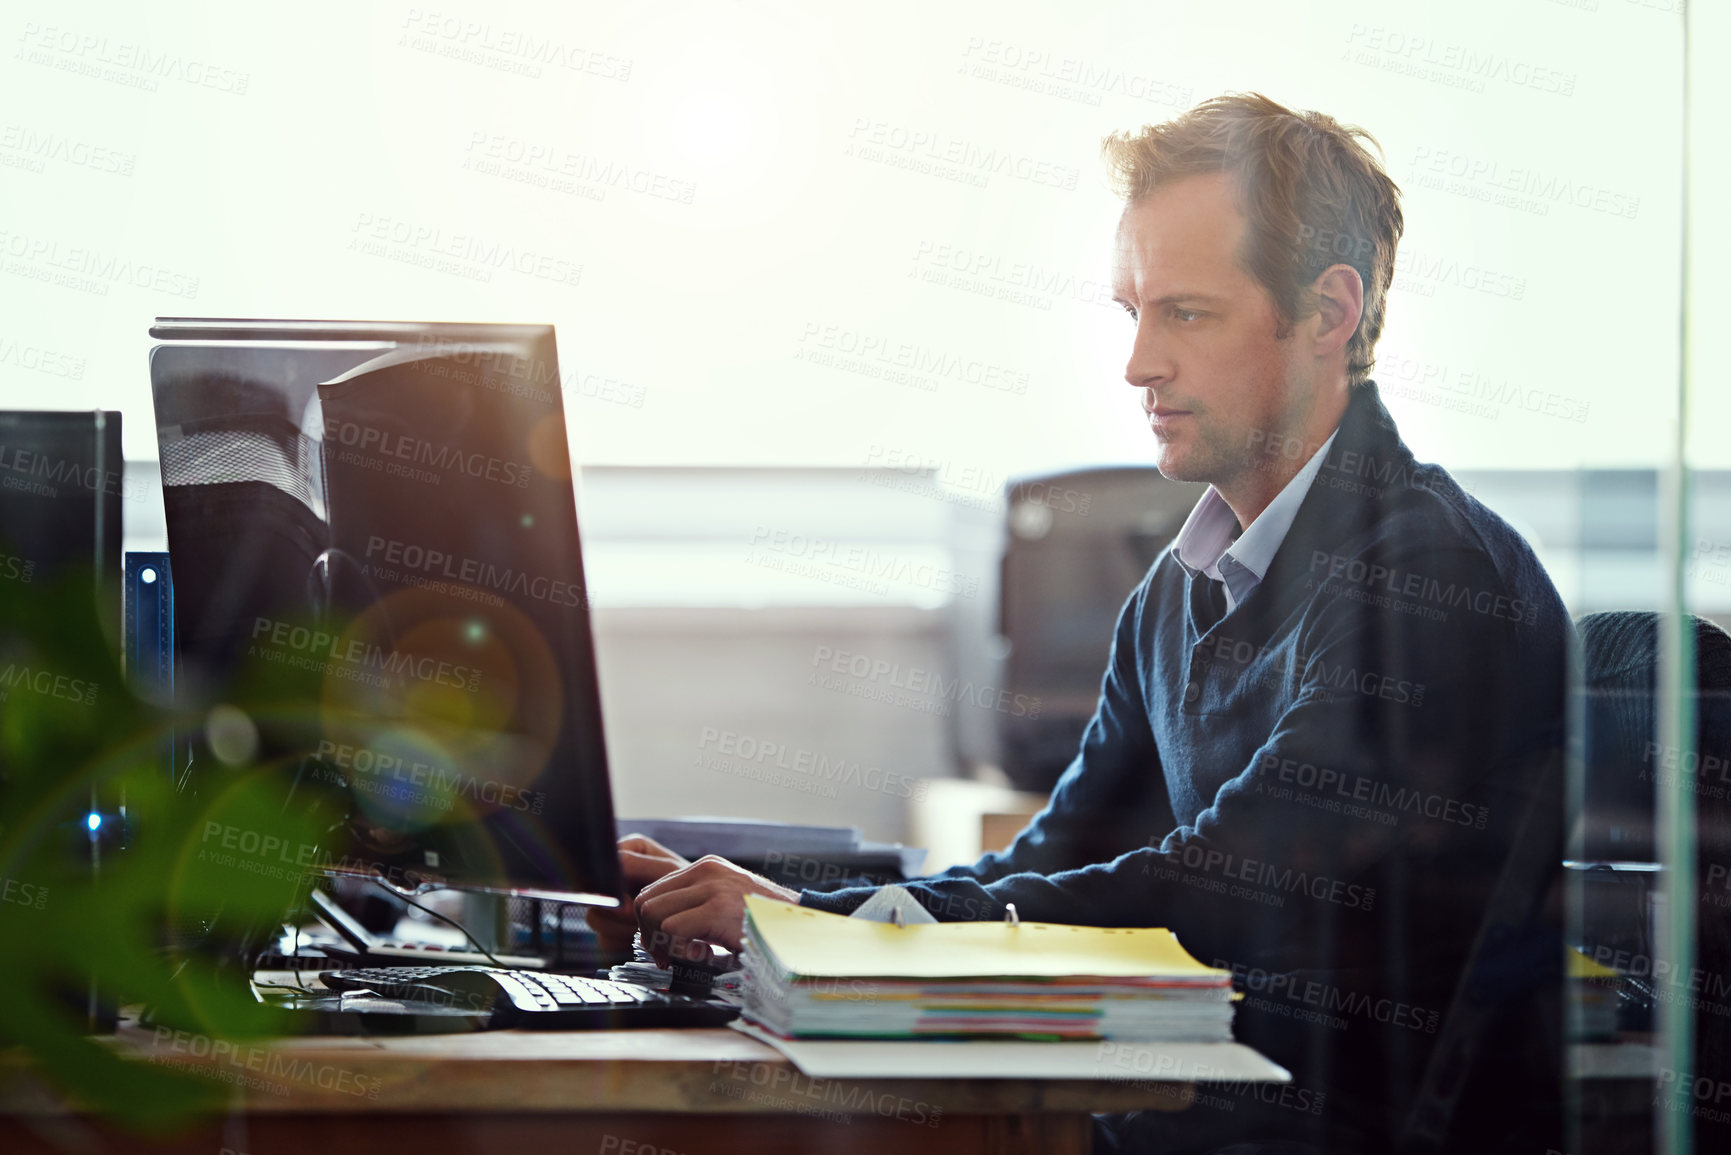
491,957
300,986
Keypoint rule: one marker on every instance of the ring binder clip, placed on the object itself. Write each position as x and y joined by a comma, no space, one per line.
1010,915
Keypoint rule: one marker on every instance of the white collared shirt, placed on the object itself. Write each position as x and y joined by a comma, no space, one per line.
1205,543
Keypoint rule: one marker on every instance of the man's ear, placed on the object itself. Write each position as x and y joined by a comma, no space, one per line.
1339,297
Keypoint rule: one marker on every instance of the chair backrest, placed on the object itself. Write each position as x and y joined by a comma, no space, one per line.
1077,543
1624,764
1622,755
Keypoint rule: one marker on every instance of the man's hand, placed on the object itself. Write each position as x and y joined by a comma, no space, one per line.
641,861
685,911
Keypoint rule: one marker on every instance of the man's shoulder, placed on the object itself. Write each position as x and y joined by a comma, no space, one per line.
1428,512
1422,544
1377,497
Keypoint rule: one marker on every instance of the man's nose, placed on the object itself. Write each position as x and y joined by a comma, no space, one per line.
1150,361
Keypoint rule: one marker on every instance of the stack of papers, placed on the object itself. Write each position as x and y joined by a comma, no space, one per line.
813,974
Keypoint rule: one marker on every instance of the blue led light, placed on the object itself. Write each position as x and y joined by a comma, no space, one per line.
94,821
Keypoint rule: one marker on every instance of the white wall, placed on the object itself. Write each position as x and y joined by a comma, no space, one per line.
706,195
732,712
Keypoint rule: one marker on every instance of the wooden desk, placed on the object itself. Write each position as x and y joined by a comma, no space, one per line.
689,1092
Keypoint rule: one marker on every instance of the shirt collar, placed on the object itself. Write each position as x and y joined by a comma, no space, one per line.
1205,543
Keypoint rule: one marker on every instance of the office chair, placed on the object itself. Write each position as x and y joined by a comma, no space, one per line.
1623,763
1077,542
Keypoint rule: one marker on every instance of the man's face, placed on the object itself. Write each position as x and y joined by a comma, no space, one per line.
1216,383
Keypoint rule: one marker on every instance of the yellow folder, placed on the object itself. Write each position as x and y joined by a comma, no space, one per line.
1579,966
817,944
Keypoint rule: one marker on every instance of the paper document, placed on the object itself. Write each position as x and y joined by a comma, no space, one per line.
1012,1059
817,944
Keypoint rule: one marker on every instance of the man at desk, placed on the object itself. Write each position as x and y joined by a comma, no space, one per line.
1332,708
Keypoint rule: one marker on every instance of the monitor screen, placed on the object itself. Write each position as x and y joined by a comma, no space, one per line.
379,585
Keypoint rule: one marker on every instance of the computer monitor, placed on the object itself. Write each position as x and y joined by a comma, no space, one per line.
61,483
379,583
61,488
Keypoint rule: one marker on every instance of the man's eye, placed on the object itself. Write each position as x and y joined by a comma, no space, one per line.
1130,309
1184,314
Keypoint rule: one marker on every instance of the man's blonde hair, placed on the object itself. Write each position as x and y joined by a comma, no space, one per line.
1313,194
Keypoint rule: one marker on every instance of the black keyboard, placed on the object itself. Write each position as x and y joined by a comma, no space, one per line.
533,998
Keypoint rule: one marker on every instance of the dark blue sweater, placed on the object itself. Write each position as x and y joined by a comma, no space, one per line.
1321,790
